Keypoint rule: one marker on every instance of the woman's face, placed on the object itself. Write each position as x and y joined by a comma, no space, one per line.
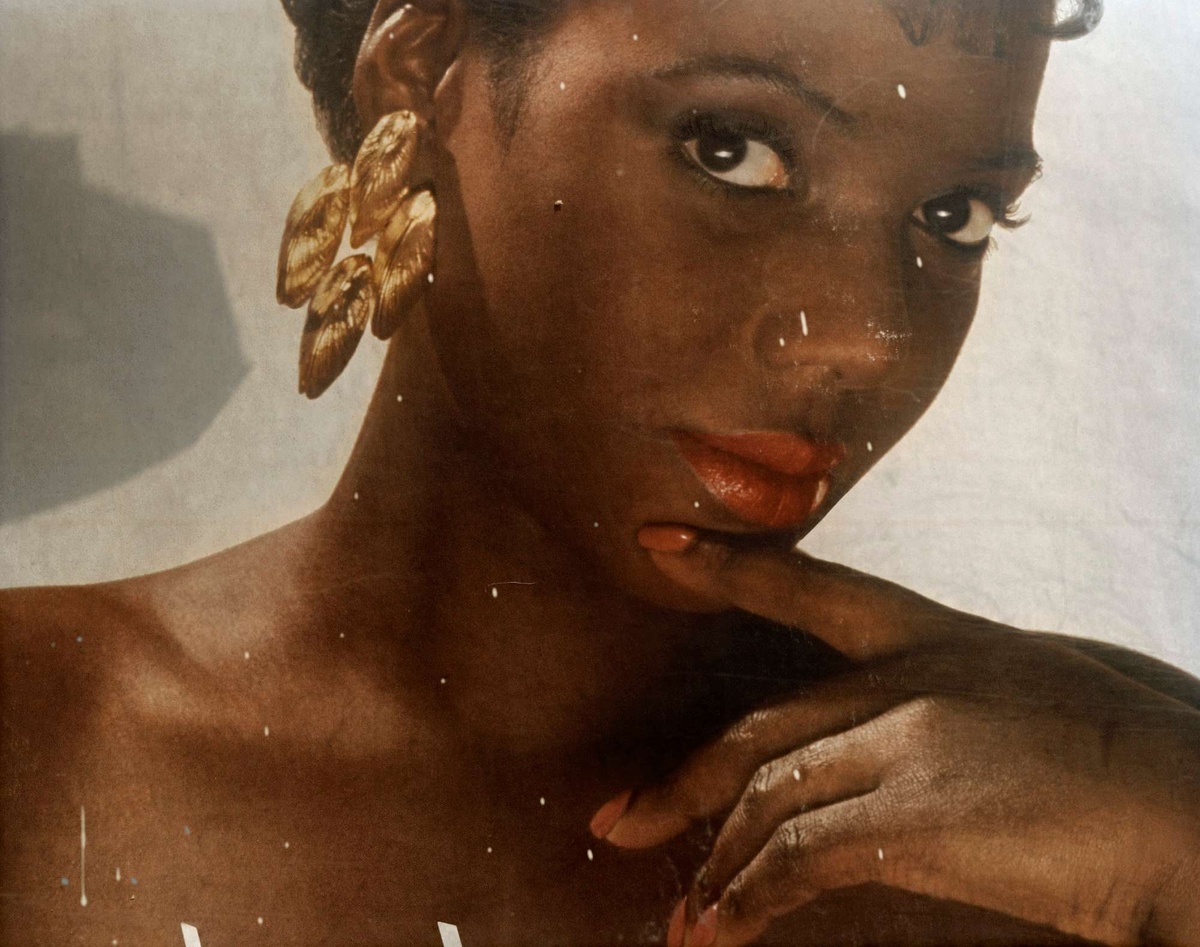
720,217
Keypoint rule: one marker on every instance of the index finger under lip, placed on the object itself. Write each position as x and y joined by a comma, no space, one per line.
864,617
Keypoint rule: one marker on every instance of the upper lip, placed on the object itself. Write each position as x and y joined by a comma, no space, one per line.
780,451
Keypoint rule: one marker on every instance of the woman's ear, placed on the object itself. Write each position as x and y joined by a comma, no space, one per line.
406,51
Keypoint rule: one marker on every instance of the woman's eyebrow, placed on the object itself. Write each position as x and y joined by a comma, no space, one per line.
1011,159
778,77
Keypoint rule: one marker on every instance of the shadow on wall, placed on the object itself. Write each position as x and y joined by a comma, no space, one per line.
117,341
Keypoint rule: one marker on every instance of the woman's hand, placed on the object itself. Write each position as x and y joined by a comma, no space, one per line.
964,760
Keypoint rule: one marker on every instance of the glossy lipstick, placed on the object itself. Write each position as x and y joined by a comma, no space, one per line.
771,479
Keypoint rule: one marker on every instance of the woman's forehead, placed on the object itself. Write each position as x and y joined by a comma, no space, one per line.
856,41
991,28
978,27
852,58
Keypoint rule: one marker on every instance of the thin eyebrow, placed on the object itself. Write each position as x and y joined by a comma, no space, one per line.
762,71
1012,159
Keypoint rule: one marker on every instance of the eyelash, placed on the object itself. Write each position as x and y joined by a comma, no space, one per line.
696,124
1005,212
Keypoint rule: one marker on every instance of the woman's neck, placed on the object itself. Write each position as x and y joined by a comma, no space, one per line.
470,600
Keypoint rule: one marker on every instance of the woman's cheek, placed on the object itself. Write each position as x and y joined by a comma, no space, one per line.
943,296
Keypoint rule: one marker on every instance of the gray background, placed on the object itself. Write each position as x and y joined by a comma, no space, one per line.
149,150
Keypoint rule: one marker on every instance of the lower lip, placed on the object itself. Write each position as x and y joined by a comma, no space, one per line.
756,494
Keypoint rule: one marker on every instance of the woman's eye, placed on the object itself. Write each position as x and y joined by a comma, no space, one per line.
738,160
959,218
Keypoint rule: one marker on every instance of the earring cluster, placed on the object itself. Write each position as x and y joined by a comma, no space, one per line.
384,196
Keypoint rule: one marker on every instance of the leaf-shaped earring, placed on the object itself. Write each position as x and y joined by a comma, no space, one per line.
383,173
377,197
342,306
404,261
312,235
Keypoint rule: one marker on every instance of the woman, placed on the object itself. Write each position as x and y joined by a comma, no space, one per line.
545,666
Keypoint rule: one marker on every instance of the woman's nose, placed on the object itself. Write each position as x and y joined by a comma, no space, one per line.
859,348
844,312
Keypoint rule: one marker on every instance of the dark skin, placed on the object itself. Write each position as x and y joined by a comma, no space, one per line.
358,717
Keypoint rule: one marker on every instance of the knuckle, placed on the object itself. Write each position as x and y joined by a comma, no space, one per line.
924,715
790,842
759,789
742,736
735,901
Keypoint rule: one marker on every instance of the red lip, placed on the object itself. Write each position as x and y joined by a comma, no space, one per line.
771,479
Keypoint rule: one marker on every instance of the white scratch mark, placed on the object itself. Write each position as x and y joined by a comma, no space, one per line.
266,731
782,342
260,920
246,655
118,874
901,91
191,936
542,801
635,37
562,87
796,775
920,264
870,447
881,854
591,857
495,586
449,934
804,322
82,854
399,399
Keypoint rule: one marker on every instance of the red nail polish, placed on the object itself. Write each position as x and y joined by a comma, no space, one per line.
704,934
670,539
676,927
609,814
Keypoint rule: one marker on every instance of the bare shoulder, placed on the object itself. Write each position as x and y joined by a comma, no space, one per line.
60,654
164,652
59,648
225,650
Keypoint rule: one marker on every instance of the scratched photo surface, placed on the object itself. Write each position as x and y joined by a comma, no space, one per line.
592,472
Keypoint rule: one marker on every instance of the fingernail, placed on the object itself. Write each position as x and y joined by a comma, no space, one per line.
704,934
675,928
609,814
671,539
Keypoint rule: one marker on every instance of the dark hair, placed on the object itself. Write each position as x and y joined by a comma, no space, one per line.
329,33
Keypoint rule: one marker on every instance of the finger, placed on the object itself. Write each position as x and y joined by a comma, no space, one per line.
862,616
713,779
832,848
824,773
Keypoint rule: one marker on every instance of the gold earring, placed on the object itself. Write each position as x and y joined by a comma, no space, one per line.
384,195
